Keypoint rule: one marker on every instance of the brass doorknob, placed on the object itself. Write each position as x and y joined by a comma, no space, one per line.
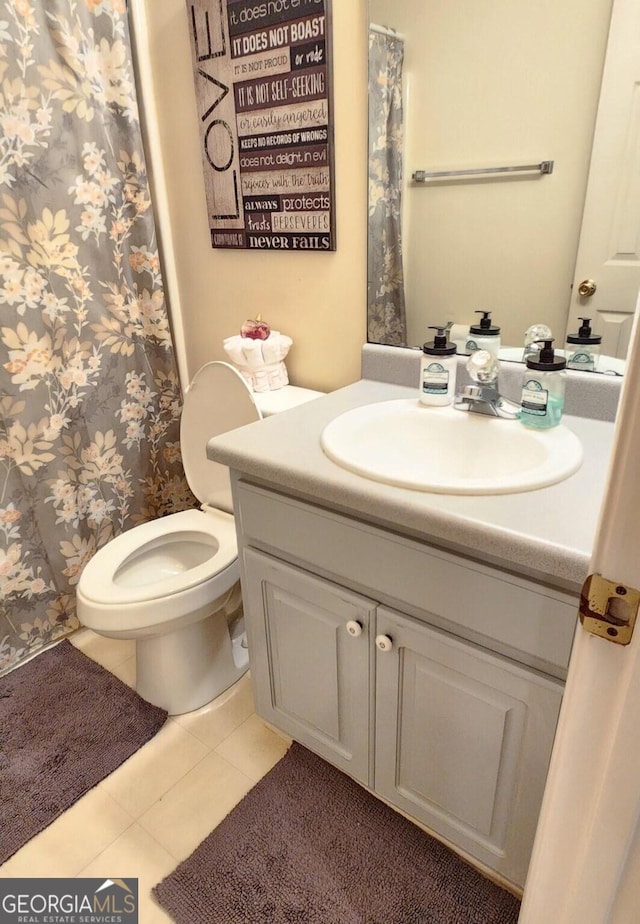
587,288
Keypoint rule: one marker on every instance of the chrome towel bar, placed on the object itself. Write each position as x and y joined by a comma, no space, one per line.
422,176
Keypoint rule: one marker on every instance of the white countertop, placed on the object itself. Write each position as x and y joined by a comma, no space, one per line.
548,532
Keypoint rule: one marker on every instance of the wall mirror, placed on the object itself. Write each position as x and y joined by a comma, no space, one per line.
481,86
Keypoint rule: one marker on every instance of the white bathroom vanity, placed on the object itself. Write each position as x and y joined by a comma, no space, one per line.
417,641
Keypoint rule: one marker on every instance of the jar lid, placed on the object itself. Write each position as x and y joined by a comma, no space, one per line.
439,346
585,336
547,361
485,328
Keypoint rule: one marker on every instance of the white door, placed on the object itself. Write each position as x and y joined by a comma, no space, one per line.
585,867
609,247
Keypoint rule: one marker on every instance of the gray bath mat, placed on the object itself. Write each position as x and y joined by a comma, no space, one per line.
65,724
307,845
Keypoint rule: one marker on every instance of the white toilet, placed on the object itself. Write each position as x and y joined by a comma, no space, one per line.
172,584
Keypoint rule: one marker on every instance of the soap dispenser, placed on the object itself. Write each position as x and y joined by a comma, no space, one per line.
583,348
484,336
438,367
543,388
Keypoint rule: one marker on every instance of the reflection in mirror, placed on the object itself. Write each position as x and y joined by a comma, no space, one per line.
466,86
386,321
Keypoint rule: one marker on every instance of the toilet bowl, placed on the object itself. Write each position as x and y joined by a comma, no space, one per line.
172,584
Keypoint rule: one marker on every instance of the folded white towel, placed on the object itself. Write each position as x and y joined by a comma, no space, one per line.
260,361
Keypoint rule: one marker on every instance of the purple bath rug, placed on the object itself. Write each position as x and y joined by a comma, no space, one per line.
307,845
65,724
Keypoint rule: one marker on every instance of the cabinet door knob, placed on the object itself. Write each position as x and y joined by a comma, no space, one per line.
384,643
354,628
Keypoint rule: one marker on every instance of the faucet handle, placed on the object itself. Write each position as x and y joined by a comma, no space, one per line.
483,367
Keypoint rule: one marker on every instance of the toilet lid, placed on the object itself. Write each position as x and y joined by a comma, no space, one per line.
217,400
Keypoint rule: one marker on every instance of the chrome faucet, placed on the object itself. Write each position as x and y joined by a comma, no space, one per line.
484,397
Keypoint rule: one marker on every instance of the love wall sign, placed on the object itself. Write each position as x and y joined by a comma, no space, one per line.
263,82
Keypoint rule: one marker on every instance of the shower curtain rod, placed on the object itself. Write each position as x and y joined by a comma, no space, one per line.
385,30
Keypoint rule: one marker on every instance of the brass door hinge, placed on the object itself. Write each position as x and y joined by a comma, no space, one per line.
609,610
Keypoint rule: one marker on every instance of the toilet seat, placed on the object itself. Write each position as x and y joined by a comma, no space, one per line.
213,531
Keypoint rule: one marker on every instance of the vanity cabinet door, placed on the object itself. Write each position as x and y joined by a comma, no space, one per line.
310,653
463,740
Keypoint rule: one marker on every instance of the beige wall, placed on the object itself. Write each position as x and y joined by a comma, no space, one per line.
317,299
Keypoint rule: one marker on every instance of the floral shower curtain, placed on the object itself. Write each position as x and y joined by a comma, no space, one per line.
385,278
89,392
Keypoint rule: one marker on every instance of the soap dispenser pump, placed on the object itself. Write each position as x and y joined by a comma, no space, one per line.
484,336
533,336
543,388
583,348
438,368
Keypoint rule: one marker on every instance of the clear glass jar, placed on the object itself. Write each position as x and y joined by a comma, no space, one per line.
542,398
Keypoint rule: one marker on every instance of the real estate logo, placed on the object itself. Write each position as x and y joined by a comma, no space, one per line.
69,901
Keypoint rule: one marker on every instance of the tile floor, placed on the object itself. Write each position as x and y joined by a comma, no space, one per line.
152,812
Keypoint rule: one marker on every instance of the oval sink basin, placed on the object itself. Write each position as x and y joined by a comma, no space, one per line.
446,451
